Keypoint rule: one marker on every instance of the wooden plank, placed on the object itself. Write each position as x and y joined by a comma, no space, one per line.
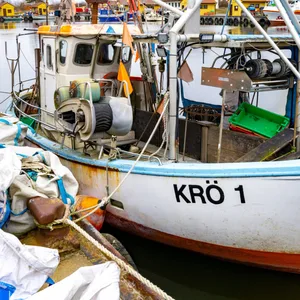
269,147
227,156
290,156
233,140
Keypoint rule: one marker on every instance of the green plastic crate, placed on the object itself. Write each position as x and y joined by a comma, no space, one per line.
28,121
258,120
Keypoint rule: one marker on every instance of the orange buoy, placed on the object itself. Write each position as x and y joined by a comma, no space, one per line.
97,218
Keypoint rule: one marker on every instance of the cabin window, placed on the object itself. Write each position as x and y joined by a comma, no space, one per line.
44,10
205,6
126,54
106,54
63,47
49,57
83,54
9,11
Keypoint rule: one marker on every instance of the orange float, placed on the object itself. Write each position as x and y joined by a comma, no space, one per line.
97,218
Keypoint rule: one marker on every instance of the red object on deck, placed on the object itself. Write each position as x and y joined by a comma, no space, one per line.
79,9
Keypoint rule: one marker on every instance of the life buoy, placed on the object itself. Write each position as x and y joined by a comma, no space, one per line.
110,75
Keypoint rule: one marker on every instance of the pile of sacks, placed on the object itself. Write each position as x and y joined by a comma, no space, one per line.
27,173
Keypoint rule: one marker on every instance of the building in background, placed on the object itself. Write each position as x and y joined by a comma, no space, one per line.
7,9
38,8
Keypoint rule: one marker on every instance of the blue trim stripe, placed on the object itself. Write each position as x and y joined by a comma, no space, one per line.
191,170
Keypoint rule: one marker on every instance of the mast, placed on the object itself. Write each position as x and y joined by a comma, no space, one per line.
190,18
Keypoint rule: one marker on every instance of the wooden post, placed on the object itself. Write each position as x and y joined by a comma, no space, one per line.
94,13
204,140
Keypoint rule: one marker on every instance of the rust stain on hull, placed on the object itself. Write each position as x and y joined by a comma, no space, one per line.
287,262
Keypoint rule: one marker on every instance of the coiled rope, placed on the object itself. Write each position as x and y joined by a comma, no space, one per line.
120,262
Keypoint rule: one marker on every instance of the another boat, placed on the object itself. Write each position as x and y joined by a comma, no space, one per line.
29,17
152,16
181,180
107,16
274,16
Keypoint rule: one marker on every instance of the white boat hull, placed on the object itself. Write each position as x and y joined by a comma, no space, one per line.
252,219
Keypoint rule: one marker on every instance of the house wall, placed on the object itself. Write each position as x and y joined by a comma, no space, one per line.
10,10
207,9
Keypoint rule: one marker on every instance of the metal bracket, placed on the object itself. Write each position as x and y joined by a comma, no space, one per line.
230,80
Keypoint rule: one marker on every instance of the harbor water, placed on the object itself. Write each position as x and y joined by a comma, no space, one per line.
182,274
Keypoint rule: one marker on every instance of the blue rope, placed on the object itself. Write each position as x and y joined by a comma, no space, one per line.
226,16
65,197
16,140
20,213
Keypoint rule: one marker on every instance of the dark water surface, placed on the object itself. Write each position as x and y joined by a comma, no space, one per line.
182,274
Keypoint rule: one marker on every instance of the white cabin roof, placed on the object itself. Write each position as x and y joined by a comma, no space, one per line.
87,29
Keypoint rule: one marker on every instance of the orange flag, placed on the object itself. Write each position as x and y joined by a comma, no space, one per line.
123,75
160,107
137,56
127,38
185,72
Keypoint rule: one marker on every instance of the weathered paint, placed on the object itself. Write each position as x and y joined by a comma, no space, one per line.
287,262
75,252
207,206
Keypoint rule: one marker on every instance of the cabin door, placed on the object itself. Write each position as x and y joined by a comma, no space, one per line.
4,12
48,78
40,11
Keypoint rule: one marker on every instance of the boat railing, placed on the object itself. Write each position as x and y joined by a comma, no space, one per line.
16,100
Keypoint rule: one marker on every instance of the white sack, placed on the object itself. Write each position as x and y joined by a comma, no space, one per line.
99,282
10,167
23,188
25,267
12,132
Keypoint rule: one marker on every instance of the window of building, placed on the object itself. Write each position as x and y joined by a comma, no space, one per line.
236,7
83,54
63,47
106,54
9,11
205,6
256,5
44,10
49,57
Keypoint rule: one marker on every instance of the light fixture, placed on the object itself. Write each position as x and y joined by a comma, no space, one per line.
161,51
206,38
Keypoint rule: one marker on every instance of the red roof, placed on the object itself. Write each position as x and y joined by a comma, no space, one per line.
210,2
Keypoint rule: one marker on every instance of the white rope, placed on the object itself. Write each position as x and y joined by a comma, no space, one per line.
119,261
105,200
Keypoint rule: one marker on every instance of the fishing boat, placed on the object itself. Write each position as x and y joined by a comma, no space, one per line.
273,14
175,176
152,16
107,16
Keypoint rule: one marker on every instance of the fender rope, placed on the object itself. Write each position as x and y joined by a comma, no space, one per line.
120,262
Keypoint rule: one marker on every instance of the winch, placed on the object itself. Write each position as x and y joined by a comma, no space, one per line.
94,116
